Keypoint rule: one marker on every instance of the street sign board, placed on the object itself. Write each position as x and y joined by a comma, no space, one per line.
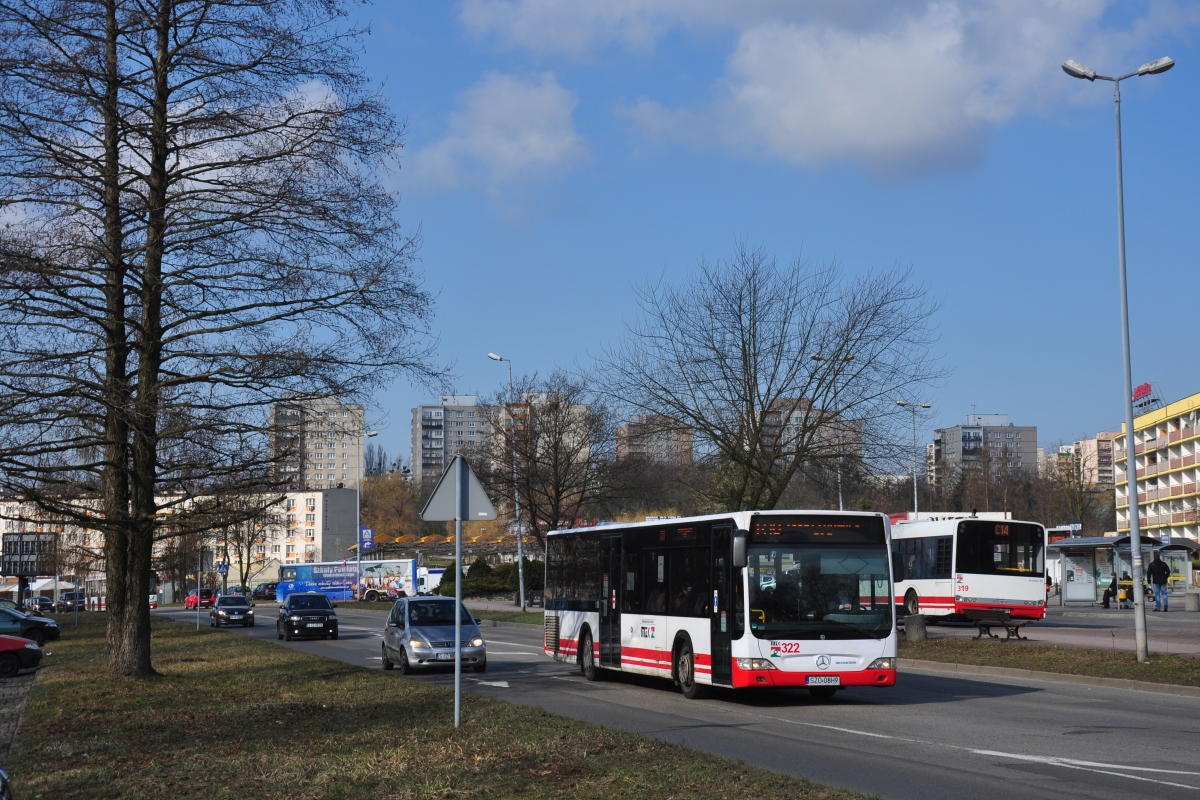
1076,526
366,538
26,555
1165,538
441,505
223,568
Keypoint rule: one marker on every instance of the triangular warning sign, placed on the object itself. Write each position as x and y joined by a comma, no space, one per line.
442,503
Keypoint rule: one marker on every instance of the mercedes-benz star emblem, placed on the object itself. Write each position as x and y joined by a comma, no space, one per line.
822,662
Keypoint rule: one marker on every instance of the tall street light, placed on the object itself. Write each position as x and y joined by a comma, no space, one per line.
1077,70
913,407
358,517
512,422
845,359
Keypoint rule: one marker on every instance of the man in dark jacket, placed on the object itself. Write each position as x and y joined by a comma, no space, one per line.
1159,574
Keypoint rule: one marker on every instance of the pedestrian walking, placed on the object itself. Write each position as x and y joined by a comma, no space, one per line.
1160,573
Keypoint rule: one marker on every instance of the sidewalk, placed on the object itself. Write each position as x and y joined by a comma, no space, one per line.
1175,632
13,694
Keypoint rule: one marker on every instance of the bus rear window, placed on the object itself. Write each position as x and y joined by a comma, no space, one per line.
1000,548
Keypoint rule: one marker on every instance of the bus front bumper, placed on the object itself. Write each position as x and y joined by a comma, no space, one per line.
777,678
1016,610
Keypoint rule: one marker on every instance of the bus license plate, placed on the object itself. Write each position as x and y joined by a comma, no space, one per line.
443,656
823,680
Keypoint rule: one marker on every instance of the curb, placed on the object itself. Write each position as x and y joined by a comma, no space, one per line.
1053,677
495,623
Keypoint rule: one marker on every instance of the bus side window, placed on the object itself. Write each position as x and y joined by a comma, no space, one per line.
654,582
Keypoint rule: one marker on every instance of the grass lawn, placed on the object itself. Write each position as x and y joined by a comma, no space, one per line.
1183,670
233,717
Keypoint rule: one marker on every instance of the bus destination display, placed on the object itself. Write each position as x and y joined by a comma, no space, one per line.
822,529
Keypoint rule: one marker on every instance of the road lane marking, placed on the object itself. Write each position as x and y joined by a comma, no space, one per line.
499,684
1070,764
537,647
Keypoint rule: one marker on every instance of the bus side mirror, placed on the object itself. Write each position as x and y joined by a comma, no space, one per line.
897,570
739,549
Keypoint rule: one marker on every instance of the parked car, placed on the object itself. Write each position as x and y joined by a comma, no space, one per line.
207,598
39,604
35,629
67,601
231,609
419,633
306,614
17,654
264,591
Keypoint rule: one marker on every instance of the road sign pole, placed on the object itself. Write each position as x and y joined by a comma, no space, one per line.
460,496
466,499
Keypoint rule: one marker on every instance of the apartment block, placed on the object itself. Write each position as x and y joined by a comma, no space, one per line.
1094,458
457,423
318,444
1166,446
655,439
986,442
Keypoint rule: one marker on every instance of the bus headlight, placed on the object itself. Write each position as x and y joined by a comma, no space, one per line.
883,663
754,663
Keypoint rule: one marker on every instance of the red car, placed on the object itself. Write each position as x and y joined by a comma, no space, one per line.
207,598
17,654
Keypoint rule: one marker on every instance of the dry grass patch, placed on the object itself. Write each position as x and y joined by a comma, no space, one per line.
1181,670
233,717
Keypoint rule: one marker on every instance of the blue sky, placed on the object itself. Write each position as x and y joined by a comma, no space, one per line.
558,153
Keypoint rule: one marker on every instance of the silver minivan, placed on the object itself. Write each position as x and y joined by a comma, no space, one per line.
420,633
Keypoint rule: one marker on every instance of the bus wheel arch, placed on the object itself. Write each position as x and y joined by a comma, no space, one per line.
912,605
586,656
683,668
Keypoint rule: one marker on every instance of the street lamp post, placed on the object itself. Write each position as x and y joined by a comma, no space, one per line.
1077,70
913,408
358,519
516,489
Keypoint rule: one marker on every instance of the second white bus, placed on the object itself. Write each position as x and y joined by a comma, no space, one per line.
946,567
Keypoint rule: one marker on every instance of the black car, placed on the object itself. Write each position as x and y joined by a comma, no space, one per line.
231,609
39,604
35,629
306,614
264,591
68,601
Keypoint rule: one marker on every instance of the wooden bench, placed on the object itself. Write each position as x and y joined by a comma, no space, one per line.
986,619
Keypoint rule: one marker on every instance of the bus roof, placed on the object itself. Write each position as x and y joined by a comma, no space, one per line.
741,518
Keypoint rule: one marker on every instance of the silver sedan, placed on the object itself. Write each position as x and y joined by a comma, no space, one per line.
419,633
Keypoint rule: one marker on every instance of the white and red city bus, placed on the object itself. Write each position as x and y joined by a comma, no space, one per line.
946,567
747,599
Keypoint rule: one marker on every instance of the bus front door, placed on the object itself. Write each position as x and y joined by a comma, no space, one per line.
610,606
722,608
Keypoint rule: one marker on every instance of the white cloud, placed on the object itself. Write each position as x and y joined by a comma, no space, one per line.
506,130
898,87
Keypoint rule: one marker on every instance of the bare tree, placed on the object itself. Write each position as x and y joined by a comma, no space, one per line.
197,230
375,461
562,435
776,370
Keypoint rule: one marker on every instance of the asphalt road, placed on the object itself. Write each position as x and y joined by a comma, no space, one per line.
929,736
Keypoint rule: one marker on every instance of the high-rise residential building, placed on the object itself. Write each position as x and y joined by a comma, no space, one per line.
457,423
987,442
656,440
1094,458
1166,445
318,444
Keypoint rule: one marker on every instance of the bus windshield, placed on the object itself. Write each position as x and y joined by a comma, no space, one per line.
809,591
1000,548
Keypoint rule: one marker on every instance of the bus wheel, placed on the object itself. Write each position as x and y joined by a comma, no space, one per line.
372,596
912,606
587,658
685,671
822,692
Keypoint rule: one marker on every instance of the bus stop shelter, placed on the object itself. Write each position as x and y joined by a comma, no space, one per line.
1088,563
